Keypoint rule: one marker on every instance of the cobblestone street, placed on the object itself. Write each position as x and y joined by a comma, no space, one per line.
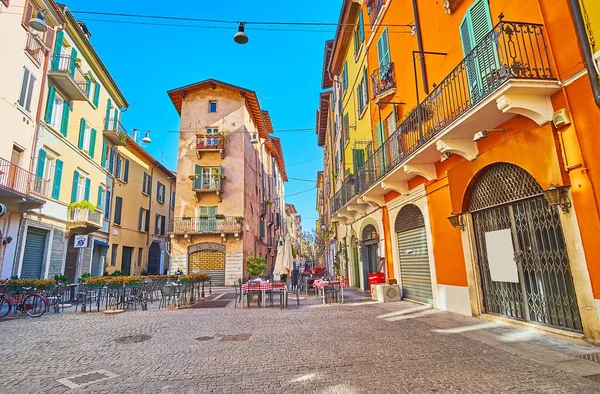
357,347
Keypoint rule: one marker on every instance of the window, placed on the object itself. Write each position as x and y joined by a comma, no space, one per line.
122,168
58,108
362,93
143,219
26,89
118,209
107,205
101,202
390,123
147,184
49,173
344,79
212,106
207,178
81,187
140,256
346,128
383,49
160,192
159,225
113,255
359,34
173,199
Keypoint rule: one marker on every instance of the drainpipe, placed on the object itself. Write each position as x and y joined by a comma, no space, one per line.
39,111
150,204
420,44
585,48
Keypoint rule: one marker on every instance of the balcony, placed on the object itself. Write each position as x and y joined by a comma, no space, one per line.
114,132
384,82
374,7
208,180
209,143
83,221
17,187
200,225
68,78
507,74
35,48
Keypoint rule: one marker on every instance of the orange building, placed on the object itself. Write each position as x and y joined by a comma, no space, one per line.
483,169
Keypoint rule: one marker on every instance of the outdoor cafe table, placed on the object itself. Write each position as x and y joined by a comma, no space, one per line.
263,287
320,284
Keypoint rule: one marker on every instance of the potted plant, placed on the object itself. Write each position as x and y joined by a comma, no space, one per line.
256,266
220,216
77,62
239,219
82,205
144,272
319,271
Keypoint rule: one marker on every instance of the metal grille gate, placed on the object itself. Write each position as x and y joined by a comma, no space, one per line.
507,197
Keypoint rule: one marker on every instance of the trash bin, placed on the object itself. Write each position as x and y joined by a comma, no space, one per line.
375,278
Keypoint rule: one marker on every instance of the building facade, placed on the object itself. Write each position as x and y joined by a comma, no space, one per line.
480,189
230,182
138,243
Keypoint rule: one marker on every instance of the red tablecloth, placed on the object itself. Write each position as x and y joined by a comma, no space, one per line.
262,286
319,284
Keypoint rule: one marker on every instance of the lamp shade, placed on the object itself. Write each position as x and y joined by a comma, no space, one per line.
240,37
38,23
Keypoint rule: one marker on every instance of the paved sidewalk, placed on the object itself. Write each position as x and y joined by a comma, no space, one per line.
358,347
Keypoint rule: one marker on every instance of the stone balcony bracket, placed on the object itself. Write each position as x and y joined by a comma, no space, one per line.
462,147
427,171
400,187
533,106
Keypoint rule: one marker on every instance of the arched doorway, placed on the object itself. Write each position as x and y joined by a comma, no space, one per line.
208,258
71,259
370,259
356,263
154,259
535,285
415,273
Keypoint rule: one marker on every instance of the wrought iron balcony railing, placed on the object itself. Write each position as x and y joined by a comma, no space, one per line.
114,131
18,180
383,80
66,64
374,6
35,48
209,142
511,50
199,225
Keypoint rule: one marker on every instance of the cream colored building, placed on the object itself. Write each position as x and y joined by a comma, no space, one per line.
230,178
143,206
75,155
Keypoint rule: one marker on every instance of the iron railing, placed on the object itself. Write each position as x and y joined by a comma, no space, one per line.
374,6
35,48
114,125
19,180
209,142
383,79
511,50
66,64
207,183
84,215
228,225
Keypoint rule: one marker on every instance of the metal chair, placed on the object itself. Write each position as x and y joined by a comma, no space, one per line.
332,290
237,285
295,292
168,293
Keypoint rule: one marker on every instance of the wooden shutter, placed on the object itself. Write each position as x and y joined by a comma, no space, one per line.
88,87
156,224
203,212
103,158
140,218
147,224
57,179
118,166
49,38
197,177
262,228
40,170
96,94
29,92
72,62
74,189
118,209
162,225
107,118
100,196
86,196
92,143
126,174
57,49
64,124
361,27
108,205
145,183
81,133
116,119
111,160
50,104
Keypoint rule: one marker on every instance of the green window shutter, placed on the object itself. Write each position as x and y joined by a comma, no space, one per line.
118,208
100,196
262,228
197,177
103,158
156,223
140,218
72,62
92,143
116,119
145,183
111,160
57,50
81,133
74,189
203,211
147,224
219,177
126,172
212,212
383,48
107,118
162,225
64,124
361,27
118,166
107,205
57,179
41,164
88,87
86,195
96,94
50,104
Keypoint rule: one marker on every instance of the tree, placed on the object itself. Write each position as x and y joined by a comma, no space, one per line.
314,244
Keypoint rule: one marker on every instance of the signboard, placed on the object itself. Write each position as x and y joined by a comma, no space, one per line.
501,256
81,241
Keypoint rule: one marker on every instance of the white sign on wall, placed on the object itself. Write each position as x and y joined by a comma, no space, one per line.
501,256
81,241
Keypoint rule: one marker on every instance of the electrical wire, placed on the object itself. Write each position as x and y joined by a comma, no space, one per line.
303,180
303,191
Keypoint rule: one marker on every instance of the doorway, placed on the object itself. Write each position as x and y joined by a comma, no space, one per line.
126,255
154,259
71,259
370,255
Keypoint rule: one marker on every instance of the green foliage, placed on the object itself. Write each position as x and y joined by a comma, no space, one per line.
294,253
117,273
82,205
256,265
85,275
219,216
144,272
61,278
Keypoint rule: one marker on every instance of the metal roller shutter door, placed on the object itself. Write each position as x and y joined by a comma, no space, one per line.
414,265
33,256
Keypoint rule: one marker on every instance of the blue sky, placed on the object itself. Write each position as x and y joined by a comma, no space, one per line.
284,68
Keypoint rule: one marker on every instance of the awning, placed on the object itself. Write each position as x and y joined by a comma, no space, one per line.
100,243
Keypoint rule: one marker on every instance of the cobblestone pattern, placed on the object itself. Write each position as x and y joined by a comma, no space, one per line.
359,348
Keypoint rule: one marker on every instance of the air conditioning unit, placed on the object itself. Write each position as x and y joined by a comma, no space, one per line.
387,293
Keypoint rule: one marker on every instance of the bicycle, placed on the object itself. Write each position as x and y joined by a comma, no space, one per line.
31,303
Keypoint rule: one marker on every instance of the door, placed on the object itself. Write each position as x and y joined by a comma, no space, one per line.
15,161
415,275
207,222
71,259
126,255
154,259
506,197
356,264
33,255
98,258
211,262
370,245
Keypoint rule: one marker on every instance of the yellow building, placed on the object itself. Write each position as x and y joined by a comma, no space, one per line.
143,201
78,131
